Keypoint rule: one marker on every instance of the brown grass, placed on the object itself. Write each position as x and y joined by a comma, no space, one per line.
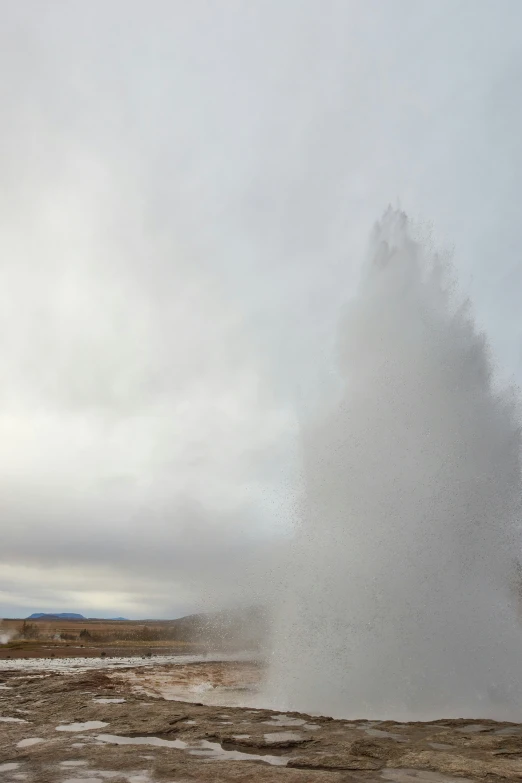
48,638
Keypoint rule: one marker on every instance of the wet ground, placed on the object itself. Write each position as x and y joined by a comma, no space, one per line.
22,650
131,722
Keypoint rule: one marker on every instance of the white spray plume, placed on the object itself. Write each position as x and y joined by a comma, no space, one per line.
398,598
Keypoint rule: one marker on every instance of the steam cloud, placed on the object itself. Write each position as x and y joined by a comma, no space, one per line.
399,600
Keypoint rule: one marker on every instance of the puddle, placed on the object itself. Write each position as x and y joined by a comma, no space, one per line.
108,701
509,731
440,746
472,728
420,776
114,739
218,695
101,775
204,749
26,743
284,720
283,736
389,734
83,780
12,720
87,726
214,752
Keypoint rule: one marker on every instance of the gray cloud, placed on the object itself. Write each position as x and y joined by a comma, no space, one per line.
186,193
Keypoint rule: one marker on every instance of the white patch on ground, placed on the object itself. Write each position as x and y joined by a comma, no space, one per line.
74,763
75,665
311,726
83,780
101,774
12,720
282,736
201,687
26,743
87,726
190,723
108,701
9,767
241,736
6,688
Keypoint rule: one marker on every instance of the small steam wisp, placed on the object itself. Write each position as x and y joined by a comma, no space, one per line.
6,634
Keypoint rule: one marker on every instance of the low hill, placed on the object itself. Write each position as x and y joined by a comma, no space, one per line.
55,616
67,616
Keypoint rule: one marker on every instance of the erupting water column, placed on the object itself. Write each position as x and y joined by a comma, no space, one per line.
400,600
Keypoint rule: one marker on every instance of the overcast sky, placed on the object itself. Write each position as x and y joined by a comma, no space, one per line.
186,192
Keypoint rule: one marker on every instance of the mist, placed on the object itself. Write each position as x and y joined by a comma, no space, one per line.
399,598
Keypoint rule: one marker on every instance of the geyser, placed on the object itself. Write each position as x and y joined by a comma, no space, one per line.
400,599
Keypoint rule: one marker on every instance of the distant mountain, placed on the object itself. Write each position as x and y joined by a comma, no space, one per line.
68,616
55,616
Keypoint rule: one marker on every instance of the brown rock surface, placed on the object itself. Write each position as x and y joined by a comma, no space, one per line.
180,742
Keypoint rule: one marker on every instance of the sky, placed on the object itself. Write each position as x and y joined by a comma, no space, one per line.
186,194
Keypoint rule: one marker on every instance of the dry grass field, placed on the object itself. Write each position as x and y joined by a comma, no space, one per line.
71,638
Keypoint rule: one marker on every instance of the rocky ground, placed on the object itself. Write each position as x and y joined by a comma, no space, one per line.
122,725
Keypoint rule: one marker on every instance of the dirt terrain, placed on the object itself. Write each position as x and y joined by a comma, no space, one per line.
123,724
